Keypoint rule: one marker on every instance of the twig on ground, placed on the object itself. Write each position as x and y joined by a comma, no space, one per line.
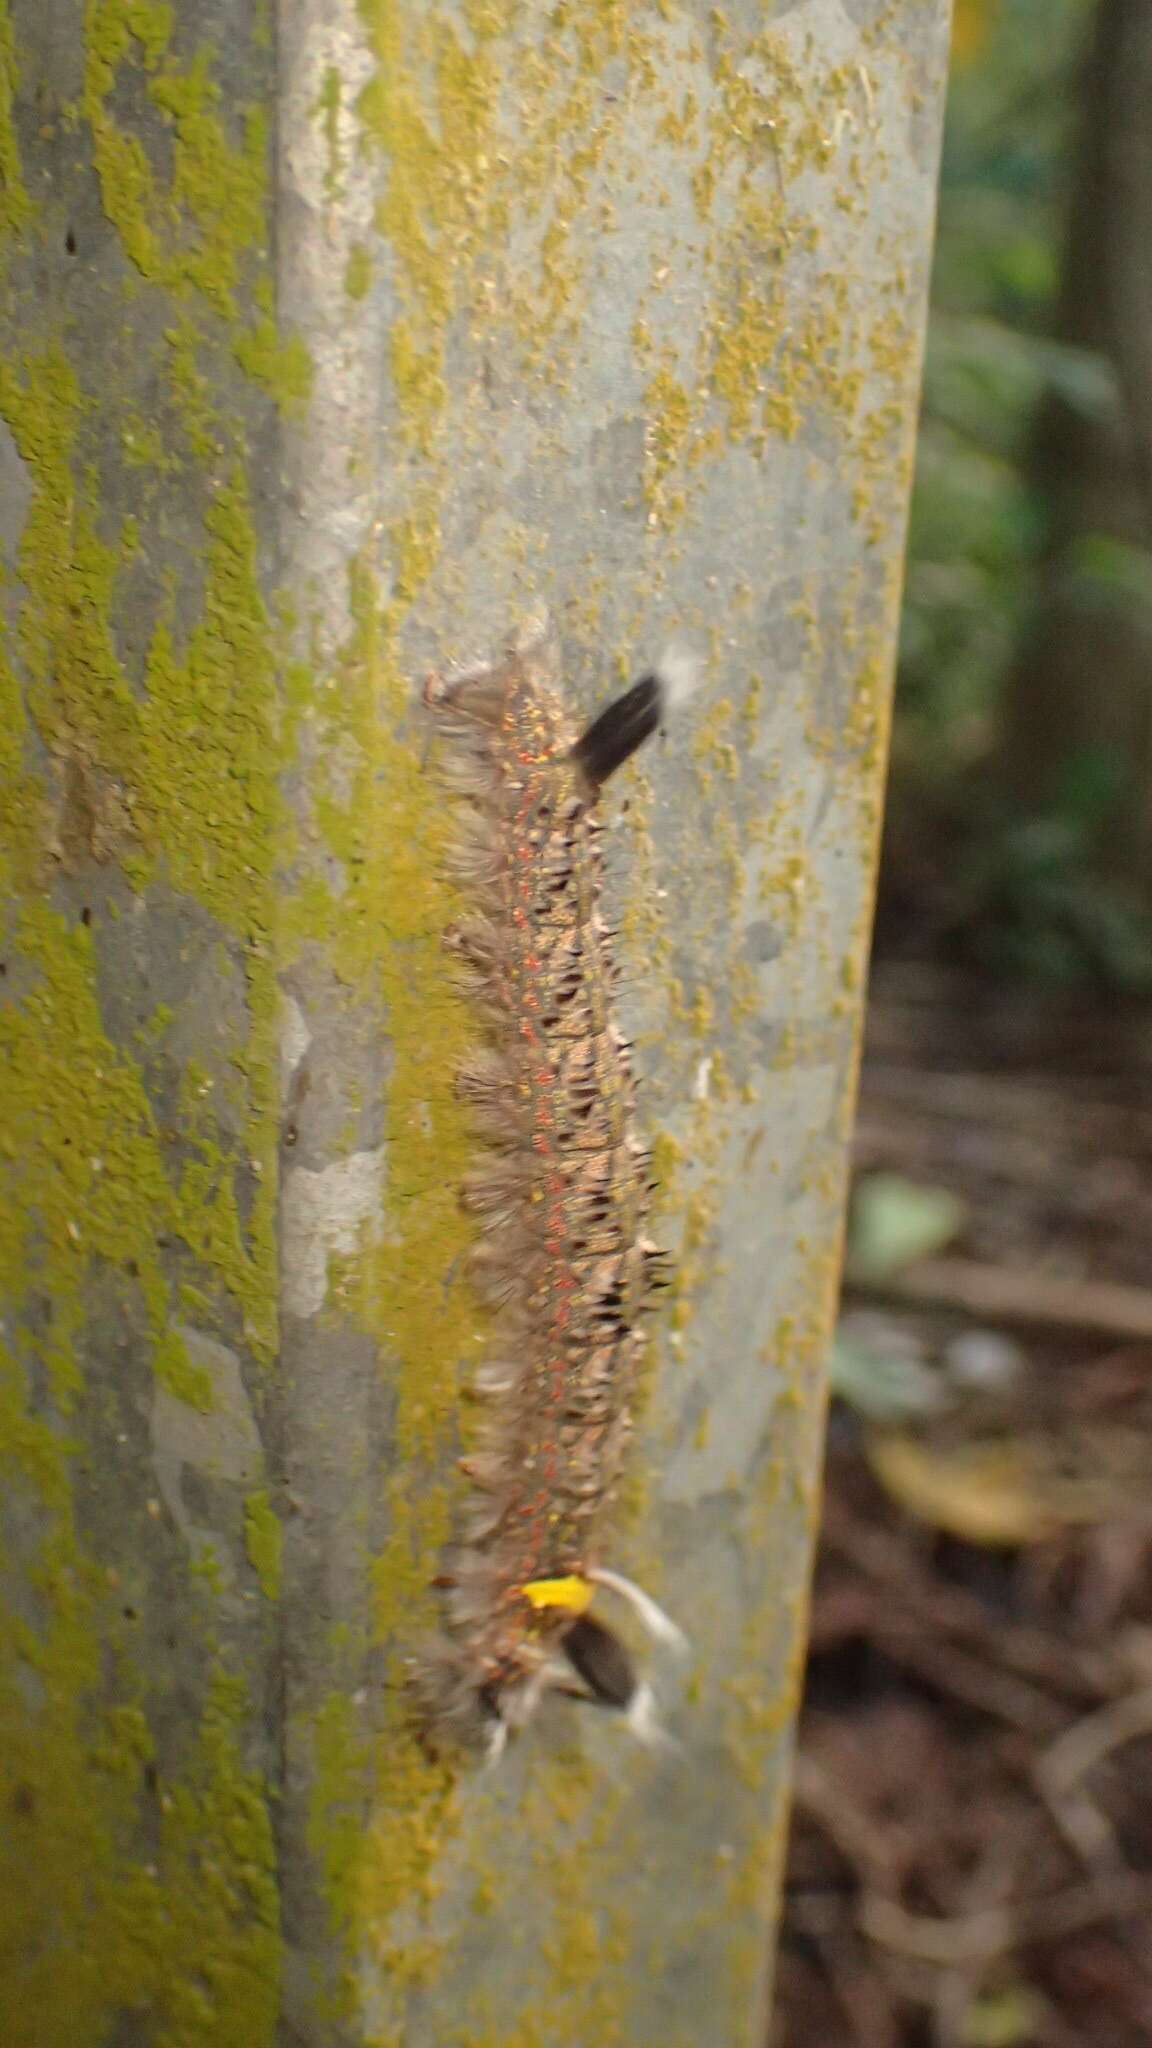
1011,1294
1058,1773
966,1939
853,1832
1095,1737
994,1930
971,1679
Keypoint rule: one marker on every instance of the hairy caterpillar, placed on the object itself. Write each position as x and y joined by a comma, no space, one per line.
561,1196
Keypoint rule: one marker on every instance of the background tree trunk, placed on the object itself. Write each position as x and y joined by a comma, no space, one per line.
334,344
1080,703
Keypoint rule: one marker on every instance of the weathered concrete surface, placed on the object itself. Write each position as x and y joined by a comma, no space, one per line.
138,1106
615,307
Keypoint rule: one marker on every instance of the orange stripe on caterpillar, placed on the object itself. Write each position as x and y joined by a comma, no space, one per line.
561,1196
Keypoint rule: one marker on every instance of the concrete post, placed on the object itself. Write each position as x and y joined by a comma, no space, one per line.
337,337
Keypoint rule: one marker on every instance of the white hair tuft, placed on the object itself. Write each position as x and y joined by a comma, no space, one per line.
659,1625
641,1719
679,673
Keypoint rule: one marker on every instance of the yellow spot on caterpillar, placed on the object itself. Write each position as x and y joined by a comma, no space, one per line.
573,1593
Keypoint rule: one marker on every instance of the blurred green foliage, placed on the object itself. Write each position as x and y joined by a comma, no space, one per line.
975,524
1019,894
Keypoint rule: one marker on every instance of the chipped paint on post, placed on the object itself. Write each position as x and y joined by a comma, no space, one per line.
618,310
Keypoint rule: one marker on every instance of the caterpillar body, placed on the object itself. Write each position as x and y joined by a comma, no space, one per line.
561,1196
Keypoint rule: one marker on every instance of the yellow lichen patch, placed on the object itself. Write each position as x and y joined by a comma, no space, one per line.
434,207
714,752
671,430
455,178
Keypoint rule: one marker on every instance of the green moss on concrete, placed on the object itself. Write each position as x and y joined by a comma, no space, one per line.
358,271
116,30
218,192
15,205
190,390
190,236
177,1372
208,800
138,1878
217,1890
186,1935
193,760
282,366
23,801
79,1143
93,1195
342,1765
179,780
387,825
264,1541
328,108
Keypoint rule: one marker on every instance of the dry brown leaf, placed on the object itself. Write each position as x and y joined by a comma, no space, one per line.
984,1493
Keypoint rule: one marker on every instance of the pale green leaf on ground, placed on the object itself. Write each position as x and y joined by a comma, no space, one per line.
895,1222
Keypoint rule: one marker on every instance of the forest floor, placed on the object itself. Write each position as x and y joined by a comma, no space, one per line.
971,1853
